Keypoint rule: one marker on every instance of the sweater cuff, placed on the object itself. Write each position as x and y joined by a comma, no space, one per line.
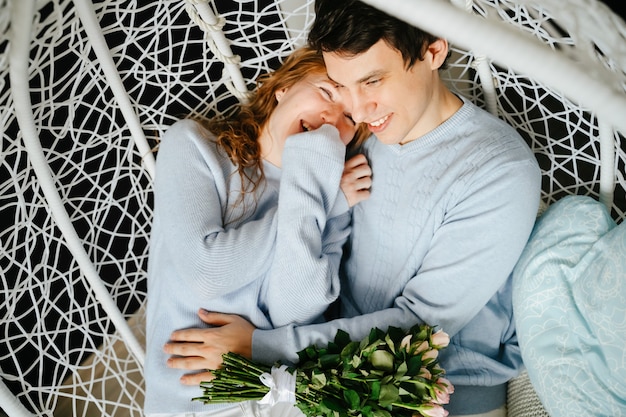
476,399
332,147
266,350
341,205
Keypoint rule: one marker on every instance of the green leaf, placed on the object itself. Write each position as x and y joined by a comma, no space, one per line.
373,335
330,360
355,362
331,348
374,390
415,387
349,374
386,379
318,380
388,395
414,365
342,338
352,399
364,342
350,349
311,352
367,411
332,404
390,343
422,333
381,413
382,359
376,335
401,371
396,334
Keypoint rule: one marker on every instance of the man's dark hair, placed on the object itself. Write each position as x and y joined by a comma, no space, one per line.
351,27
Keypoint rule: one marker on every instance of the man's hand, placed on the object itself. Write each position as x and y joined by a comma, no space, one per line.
356,179
202,349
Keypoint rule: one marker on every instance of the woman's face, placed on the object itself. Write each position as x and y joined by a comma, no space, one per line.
307,105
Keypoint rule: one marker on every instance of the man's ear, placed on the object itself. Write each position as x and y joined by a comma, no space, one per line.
439,52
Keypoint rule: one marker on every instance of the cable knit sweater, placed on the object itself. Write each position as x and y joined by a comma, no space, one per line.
448,217
273,259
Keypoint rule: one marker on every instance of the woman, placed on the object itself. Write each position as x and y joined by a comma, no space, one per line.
222,238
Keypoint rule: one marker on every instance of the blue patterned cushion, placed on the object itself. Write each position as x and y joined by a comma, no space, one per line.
569,298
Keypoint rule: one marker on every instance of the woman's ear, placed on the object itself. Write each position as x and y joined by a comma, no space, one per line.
279,93
439,52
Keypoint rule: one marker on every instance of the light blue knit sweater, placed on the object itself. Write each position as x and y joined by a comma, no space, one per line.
448,217
273,260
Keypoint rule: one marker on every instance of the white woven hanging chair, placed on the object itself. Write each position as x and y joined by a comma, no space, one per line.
87,88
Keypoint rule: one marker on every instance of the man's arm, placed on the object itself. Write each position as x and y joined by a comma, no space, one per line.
202,349
482,273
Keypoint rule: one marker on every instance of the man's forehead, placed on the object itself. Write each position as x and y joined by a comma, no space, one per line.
350,69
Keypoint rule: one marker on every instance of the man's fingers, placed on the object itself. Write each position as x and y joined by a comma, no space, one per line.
189,362
196,379
188,335
215,319
199,335
182,349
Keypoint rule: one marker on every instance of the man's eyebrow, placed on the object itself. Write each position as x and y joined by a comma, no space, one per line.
373,74
333,81
365,78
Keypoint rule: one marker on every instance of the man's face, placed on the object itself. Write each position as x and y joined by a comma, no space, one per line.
394,101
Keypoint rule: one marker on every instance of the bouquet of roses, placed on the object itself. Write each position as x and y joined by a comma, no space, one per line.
393,373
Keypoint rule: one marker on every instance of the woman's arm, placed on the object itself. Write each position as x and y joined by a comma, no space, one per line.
192,190
313,224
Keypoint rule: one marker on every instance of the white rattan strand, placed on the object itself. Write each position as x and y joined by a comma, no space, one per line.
201,14
18,63
84,8
164,67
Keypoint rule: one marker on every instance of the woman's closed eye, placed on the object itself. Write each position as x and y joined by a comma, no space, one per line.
329,95
329,90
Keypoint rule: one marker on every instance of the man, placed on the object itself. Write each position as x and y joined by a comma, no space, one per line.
454,196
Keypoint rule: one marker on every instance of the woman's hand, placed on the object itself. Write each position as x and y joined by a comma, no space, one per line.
202,349
356,179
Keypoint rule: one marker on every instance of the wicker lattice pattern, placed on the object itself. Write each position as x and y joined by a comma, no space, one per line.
62,349
523,400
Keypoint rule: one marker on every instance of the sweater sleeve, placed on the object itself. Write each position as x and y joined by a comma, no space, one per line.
473,252
304,278
191,192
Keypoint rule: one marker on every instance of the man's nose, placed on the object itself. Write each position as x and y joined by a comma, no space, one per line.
361,107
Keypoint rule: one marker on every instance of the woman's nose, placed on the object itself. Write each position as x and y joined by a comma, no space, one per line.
337,117
332,114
